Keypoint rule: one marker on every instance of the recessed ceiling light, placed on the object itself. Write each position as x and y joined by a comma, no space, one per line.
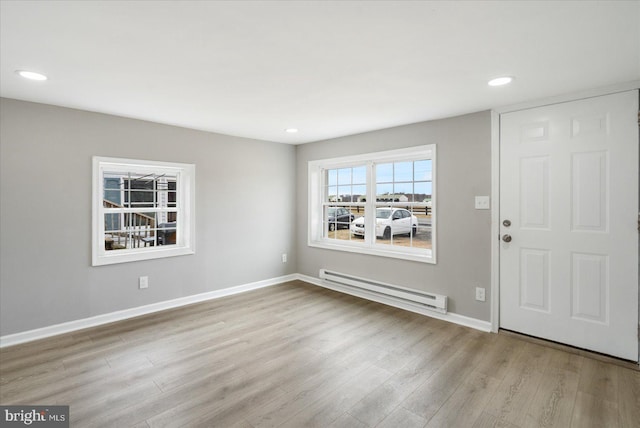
32,75
291,130
499,81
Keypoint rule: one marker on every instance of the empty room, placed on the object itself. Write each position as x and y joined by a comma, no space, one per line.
247,214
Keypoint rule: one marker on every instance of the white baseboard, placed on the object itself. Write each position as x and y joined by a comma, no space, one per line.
67,327
408,306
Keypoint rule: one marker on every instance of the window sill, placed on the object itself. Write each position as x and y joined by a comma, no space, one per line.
124,256
406,254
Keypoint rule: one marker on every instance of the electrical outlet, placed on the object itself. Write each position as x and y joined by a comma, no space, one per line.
284,257
482,203
480,294
143,282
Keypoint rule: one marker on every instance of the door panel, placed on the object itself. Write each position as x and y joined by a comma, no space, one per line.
589,191
534,192
534,279
569,186
589,287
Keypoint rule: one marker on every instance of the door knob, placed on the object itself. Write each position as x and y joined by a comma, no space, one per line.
506,238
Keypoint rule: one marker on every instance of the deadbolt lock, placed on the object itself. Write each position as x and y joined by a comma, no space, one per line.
506,223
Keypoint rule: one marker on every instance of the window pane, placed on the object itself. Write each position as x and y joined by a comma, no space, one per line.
384,189
112,192
332,194
111,222
422,191
337,221
138,193
172,199
139,198
166,231
356,230
403,189
344,190
345,194
359,192
332,177
403,171
133,189
112,183
384,173
129,230
422,170
164,217
146,183
140,230
360,175
403,228
344,176
172,194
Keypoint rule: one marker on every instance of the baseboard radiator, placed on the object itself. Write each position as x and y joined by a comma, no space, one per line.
431,301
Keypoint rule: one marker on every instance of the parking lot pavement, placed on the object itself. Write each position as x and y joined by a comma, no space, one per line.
421,240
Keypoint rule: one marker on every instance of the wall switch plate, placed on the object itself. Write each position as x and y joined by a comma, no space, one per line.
480,294
284,257
143,282
483,203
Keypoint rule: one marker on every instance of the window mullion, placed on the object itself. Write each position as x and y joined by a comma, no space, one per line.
370,206
128,189
99,201
179,217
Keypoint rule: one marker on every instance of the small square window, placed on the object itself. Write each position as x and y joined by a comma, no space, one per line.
141,210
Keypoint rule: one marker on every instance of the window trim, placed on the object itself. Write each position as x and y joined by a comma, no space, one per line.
185,227
315,231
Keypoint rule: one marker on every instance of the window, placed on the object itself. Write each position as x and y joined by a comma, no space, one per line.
141,210
379,203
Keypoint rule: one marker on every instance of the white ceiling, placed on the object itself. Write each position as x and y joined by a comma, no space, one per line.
329,68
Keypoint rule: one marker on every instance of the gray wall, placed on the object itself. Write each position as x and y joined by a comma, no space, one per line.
245,199
463,242
248,196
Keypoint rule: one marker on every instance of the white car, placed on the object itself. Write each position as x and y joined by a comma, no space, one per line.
389,221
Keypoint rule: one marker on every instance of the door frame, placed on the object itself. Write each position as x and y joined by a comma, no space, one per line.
495,178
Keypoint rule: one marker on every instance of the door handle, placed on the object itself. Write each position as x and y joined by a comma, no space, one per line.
506,238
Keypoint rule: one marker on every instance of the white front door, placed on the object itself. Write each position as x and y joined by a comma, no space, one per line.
569,188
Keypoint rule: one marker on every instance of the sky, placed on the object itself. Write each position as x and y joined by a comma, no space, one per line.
412,177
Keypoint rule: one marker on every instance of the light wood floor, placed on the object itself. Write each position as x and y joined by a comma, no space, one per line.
296,355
